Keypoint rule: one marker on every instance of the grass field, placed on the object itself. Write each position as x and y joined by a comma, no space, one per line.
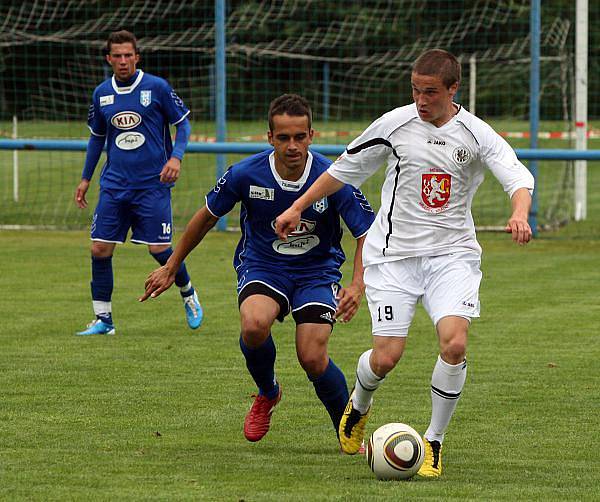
156,412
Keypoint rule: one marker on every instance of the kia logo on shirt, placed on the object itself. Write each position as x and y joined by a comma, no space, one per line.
126,120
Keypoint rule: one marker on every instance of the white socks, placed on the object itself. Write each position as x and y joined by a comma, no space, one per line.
102,309
447,382
366,384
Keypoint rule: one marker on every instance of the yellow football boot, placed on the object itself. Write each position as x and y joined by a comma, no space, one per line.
352,428
432,465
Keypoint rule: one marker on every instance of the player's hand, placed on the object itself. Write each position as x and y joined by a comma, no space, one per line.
348,302
158,281
170,171
80,192
519,228
287,222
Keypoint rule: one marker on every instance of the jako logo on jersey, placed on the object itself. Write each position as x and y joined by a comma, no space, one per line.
321,205
145,98
435,191
262,193
126,120
436,142
461,155
107,100
130,140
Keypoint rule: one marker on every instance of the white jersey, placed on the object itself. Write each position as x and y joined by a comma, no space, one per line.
432,174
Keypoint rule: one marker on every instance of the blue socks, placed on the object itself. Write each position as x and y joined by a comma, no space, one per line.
102,287
261,365
182,277
332,390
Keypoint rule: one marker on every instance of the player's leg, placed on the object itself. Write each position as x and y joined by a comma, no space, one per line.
452,299
109,226
152,224
260,305
392,293
327,378
313,307
189,295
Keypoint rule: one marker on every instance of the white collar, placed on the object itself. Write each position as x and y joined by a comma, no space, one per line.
291,186
129,88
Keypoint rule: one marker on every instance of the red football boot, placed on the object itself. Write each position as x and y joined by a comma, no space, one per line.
258,419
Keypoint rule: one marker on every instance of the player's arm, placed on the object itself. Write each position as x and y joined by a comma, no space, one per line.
517,224
172,168
162,278
514,177
287,221
94,150
349,297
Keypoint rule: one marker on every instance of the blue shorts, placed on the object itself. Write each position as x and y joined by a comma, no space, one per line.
147,212
310,296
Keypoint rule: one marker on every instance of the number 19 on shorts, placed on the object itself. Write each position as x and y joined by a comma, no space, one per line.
386,313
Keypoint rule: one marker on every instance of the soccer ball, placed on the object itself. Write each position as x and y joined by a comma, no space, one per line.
395,451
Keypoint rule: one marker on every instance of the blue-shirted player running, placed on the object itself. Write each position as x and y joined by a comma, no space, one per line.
300,275
131,113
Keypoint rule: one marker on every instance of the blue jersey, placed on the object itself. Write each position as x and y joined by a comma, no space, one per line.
135,120
264,195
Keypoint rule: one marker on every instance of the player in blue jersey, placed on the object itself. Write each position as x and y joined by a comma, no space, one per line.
300,276
131,113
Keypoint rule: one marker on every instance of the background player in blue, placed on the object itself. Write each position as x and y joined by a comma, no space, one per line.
131,113
277,277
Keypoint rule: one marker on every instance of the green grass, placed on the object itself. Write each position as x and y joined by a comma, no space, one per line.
156,412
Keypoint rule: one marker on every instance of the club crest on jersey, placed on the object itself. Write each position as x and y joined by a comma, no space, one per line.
461,155
321,205
262,193
126,120
435,191
145,98
107,100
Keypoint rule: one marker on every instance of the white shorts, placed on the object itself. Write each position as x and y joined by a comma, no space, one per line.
447,285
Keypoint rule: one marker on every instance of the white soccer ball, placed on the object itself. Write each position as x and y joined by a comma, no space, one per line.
395,451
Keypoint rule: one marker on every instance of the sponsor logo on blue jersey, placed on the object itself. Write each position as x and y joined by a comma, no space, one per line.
300,241
126,120
107,100
261,193
130,140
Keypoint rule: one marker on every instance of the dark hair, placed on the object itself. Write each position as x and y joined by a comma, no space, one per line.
121,37
292,104
439,63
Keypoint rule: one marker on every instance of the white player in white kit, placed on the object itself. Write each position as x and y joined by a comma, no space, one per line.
422,245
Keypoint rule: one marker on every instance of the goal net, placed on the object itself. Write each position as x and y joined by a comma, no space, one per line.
351,60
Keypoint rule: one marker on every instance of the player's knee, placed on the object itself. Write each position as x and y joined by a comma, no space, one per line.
101,249
313,363
255,331
454,351
382,363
